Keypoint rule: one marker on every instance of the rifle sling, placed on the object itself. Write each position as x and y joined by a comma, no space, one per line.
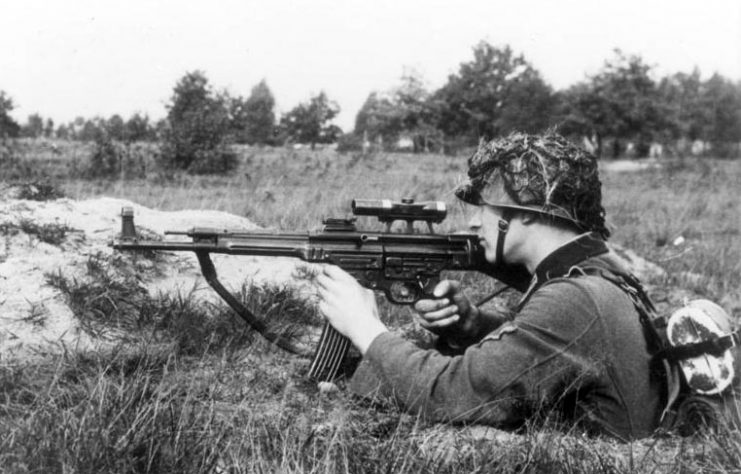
209,273
329,353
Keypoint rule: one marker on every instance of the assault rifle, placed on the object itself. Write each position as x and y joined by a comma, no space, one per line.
404,266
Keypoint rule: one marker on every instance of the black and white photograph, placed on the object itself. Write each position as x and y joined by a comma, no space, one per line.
346,236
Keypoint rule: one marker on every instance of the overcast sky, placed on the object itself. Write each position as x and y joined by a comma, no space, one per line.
92,57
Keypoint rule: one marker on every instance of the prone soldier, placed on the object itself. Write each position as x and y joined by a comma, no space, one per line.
575,351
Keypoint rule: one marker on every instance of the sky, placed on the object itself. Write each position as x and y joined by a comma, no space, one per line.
64,59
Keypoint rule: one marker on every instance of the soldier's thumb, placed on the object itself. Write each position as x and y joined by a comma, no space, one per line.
446,288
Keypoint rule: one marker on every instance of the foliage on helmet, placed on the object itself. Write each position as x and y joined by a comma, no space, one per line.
544,173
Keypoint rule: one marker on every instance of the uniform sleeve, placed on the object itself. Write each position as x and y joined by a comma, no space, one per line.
553,344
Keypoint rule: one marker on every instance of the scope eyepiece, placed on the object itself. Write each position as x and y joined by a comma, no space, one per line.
388,211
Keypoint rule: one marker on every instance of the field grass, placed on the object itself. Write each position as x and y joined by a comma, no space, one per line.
191,391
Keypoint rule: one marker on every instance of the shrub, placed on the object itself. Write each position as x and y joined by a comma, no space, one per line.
195,138
105,162
39,191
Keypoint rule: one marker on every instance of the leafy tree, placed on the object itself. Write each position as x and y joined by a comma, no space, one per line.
310,122
721,100
493,94
76,127
253,120
8,127
585,112
116,127
92,130
49,128
138,128
378,120
34,126
621,102
403,111
63,132
195,138
417,113
681,95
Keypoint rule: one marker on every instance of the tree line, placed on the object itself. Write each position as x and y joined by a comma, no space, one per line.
195,107
620,108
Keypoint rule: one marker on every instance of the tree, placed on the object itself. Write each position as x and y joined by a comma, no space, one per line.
253,120
403,111
198,126
63,132
621,102
495,93
310,122
49,128
92,130
116,127
681,95
378,120
8,127
138,128
721,101
34,126
418,115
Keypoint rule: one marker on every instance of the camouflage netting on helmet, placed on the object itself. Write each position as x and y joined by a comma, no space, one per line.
544,173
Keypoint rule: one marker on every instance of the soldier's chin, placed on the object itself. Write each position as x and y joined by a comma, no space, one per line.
489,253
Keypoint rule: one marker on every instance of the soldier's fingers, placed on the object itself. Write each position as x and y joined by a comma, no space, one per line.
443,313
427,305
323,281
440,323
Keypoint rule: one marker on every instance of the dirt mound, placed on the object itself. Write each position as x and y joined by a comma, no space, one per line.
39,239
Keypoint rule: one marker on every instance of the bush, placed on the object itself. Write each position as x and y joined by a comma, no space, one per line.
39,190
105,162
219,161
115,160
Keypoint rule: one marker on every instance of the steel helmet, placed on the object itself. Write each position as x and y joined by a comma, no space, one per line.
544,174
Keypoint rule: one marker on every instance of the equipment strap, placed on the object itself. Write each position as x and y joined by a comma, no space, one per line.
715,346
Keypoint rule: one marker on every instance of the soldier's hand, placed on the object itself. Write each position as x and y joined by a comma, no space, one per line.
450,314
349,307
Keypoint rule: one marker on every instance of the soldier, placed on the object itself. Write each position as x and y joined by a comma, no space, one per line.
575,350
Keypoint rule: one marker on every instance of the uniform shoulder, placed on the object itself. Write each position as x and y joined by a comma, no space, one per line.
577,292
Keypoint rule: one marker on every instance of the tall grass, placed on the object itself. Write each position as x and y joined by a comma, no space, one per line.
696,201
189,392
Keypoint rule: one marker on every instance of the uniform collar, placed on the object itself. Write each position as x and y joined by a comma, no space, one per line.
560,262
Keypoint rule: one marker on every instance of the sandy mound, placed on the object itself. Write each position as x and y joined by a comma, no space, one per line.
34,317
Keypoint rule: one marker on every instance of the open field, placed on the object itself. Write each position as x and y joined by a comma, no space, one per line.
206,396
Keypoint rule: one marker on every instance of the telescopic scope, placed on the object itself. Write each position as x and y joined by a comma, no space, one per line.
407,210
